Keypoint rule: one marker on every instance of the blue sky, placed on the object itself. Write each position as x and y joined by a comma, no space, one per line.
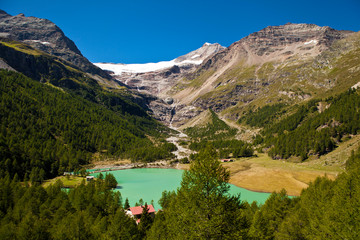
139,31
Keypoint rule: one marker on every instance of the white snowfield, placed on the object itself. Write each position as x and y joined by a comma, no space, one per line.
194,58
311,42
120,68
38,41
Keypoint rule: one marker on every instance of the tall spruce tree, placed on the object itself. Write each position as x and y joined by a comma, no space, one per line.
145,221
110,181
202,207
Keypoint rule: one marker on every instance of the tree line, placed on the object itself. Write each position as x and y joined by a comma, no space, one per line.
263,116
220,136
309,131
225,148
214,129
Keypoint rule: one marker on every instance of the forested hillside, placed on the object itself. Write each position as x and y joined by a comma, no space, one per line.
214,128
220,136
90,211
46,130
313,128
46,68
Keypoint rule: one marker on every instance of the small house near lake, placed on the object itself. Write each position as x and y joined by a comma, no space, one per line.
89,178
136,212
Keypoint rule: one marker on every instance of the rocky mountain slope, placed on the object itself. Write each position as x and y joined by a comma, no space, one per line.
157,79
287,44
283,63
44,35
279,64
288,64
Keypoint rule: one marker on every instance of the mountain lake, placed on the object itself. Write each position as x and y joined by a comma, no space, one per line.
149,183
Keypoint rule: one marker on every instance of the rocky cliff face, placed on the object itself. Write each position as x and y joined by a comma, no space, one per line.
269,39
200,54
44,35
274,64
276,43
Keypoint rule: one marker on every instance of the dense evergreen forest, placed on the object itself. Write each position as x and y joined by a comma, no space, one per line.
55,71
200,209
214,129
263,116
220,136
314,128
45,130
225,148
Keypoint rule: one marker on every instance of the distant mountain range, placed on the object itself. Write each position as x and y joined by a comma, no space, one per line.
289,64
285,65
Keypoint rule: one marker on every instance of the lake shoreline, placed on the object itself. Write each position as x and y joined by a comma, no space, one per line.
149,184
122,166
158,164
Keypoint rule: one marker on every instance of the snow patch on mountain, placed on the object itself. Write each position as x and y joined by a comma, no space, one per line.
38,41
311,42
193,58
120,68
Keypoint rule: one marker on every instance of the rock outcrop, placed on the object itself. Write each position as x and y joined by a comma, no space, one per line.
276,43
44,35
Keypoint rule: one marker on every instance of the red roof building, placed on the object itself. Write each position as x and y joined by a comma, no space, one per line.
136,211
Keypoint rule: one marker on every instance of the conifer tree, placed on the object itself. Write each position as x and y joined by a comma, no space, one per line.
110,181
127,204
202,207
145,221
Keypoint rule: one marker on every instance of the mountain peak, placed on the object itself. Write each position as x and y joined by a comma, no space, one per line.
202,53
275,38
3,14
44,35
296,32
207,44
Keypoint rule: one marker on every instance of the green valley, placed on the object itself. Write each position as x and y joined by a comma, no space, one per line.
277,112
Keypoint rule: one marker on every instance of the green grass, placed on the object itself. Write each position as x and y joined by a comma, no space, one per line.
22,48
199,81
68,181
263,174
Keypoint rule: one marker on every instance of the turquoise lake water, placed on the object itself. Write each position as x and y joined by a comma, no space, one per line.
149,183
